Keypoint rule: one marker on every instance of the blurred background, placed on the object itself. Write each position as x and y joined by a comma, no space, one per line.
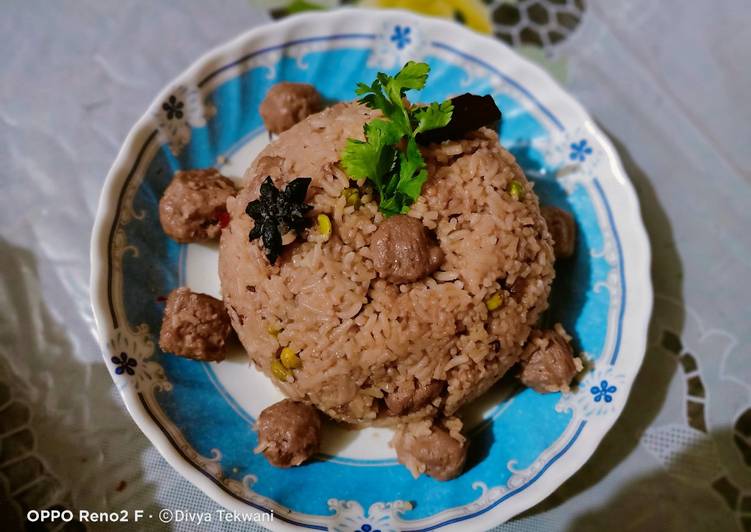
669,81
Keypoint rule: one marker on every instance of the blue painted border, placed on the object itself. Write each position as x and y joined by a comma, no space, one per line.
510,494
544,110
621,272
282,46
249,502
116,221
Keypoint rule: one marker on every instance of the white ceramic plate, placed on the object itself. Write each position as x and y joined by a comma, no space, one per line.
524,445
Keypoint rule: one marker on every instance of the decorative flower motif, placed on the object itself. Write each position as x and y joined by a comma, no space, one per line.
185,109
580,150
401,37
381,516
173,107
603,392
125,364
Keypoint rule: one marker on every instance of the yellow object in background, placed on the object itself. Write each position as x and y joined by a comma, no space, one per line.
473,13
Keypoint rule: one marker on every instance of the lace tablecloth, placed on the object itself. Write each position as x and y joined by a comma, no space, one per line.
669,81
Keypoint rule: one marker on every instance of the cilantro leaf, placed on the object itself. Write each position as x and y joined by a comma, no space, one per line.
358,159
382,132
373,97
412,172
433,116
391,206
412,75
373,158
398,174
362,88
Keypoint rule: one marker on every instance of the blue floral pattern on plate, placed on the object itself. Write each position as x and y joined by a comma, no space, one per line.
603,392
124,364
580,150
401,36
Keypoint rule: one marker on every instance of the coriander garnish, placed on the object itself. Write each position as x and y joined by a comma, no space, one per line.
398,174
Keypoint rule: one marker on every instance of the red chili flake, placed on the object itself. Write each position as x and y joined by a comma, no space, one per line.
121,485
161,299
222,216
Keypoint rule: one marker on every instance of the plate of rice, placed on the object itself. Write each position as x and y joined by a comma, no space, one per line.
367,270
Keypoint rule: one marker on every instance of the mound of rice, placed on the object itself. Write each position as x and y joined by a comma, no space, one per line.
358,336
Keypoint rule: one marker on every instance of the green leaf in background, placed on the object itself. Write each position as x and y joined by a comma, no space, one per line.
298,6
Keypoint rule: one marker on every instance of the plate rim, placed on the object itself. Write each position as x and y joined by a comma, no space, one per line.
117,175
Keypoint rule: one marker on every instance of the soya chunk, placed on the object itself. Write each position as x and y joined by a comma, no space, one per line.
287,103
403,251
434,450
548,362
563,230
403,401
194,326
289,433
193,207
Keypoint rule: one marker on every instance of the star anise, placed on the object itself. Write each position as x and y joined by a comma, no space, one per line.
277,211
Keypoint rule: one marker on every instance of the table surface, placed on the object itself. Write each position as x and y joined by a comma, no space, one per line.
669,82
